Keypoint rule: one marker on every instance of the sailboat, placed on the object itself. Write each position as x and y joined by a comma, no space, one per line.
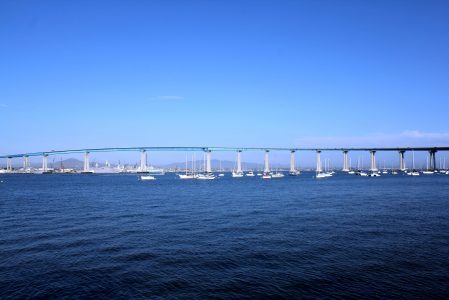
427,171
236,173
206,175
413,172
350,170
266,175
221,174
277,174
319,174
393,171
187,175
327,172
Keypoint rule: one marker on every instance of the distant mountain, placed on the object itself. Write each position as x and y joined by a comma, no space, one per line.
215,164
70,163
73,163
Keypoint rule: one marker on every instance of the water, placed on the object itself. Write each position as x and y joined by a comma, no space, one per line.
112,236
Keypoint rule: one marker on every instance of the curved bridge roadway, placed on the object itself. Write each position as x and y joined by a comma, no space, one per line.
432,151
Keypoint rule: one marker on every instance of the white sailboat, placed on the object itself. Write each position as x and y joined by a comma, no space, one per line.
266,176
205,175
187,175
350,171
277,174
327,172
221,174
413,172
318,173
427,171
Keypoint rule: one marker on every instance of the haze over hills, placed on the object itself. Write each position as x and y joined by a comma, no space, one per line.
73,163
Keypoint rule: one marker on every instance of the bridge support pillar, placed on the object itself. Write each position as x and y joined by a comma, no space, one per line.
239,161
345,161
143,161
318,161
432,158
293,170
26,164
9,164
86,168
208,161
402,160
45,163
373,161
266,168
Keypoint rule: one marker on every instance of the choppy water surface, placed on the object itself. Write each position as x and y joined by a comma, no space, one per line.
112,236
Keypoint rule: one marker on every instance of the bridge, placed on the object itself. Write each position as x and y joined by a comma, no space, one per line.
208,150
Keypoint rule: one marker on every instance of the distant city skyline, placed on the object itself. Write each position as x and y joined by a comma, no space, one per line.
223,73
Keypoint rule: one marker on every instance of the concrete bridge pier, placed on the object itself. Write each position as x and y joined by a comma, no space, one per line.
402,166
26,164
143,161
293,170
208,161
345,161
239,162
373,161
45,163
266,168
318,161
9,164
86,168
433,161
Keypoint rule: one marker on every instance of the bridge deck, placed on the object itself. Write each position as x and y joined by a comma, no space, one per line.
122,149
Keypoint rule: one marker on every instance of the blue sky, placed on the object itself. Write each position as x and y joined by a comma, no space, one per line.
77,74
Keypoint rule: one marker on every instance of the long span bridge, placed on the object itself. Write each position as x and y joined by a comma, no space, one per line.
208,150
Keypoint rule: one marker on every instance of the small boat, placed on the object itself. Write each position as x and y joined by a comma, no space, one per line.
427,172
259,174
373,174
266,175
277,175
205,176
394,173
413,173
351,172
186,176
294,173
321,175
147,177
250,174
221,175
237,174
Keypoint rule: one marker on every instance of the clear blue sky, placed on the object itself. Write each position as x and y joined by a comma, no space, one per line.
79,74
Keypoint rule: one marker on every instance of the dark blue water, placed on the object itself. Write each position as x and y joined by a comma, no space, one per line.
112,236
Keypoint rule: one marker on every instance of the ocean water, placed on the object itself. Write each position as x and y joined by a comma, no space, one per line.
113,236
